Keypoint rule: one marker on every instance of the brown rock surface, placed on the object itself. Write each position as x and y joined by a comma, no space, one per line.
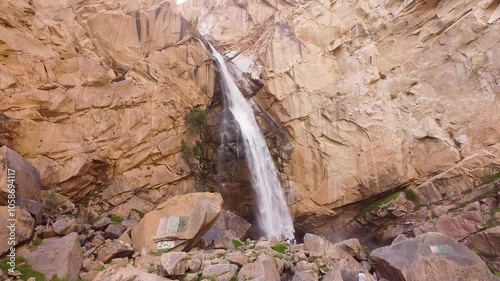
24,227
178,223
431,256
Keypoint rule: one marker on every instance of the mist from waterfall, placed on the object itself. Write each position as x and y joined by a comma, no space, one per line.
273,215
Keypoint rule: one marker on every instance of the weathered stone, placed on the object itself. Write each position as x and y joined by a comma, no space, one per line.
64,226
218,238
173,264
58,257
190,215
304,276
234,224
102,223
127,273
24,227
114,231
488,241
222,272
315,243
431,256
114,249
237,258
259,271
194,264
353,248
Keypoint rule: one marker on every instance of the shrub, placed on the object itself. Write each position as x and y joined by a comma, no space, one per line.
410,194
197,120
35,243
237,243
116,219
280,248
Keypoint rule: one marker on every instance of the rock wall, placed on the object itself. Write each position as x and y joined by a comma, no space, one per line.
94,95
375,95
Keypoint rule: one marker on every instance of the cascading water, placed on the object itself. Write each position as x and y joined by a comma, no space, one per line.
273,215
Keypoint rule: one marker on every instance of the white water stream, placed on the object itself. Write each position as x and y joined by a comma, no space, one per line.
273,215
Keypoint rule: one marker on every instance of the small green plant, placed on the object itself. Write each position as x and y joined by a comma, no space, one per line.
116,218
410,194
187,151
234,278
497,274
23,267
280,248
237,243
34,244
197,120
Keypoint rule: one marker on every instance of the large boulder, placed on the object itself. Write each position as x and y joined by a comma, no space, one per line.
221,272
23,227
318,244
259,271
488,241
26,179
178,223
58,257
431,257
234,224
218,238
127,273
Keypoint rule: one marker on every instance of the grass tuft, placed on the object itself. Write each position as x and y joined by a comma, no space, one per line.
280,248
237,243
116,219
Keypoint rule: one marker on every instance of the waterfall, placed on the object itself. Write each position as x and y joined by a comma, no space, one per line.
273,215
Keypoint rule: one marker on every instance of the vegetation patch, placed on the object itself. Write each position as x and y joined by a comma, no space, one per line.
376,204
410,194
34,244
23,267
237,243
280,248
487,194
116,219
197,120
490,179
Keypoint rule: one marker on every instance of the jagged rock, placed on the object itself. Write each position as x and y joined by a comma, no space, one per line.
58,257
194,264
114,231
23,227
487,242
97,240
26,179
234,224
114,249
130,223
127,273
102,223
91,265
64,226
222,272
178,223
304,276
145,261
48,232
218,238
119,261
191,277
353,248
431,256
259,271
346,269
173,264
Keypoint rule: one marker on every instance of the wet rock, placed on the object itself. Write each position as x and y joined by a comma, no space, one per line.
178,223
173,264
222,272
58,257
432,257
114,249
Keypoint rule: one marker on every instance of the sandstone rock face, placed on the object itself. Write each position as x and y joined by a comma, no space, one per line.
369,95
24,226
178,223
432,256
95,94
58,257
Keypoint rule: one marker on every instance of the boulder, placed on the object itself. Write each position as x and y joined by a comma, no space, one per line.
304,276
173,264
431,257
127,273
346,270
26,179
178,223
221,272
64,226
237,258
259,271
114,249
315,243
218,238
114,231
488,241
353,248
58,257
24,226
234,224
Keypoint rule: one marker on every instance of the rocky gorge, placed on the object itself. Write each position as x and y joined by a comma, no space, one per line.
382,118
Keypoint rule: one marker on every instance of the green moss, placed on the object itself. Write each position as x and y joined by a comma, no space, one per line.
234,278
490,179
34,244
497,274
237,243
23,267
197,120
280,248
198,150
410,194
381,202
116,218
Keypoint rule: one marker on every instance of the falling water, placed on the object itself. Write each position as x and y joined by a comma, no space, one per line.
273,214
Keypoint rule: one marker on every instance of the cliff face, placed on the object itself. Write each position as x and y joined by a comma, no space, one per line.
375,95
94,94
